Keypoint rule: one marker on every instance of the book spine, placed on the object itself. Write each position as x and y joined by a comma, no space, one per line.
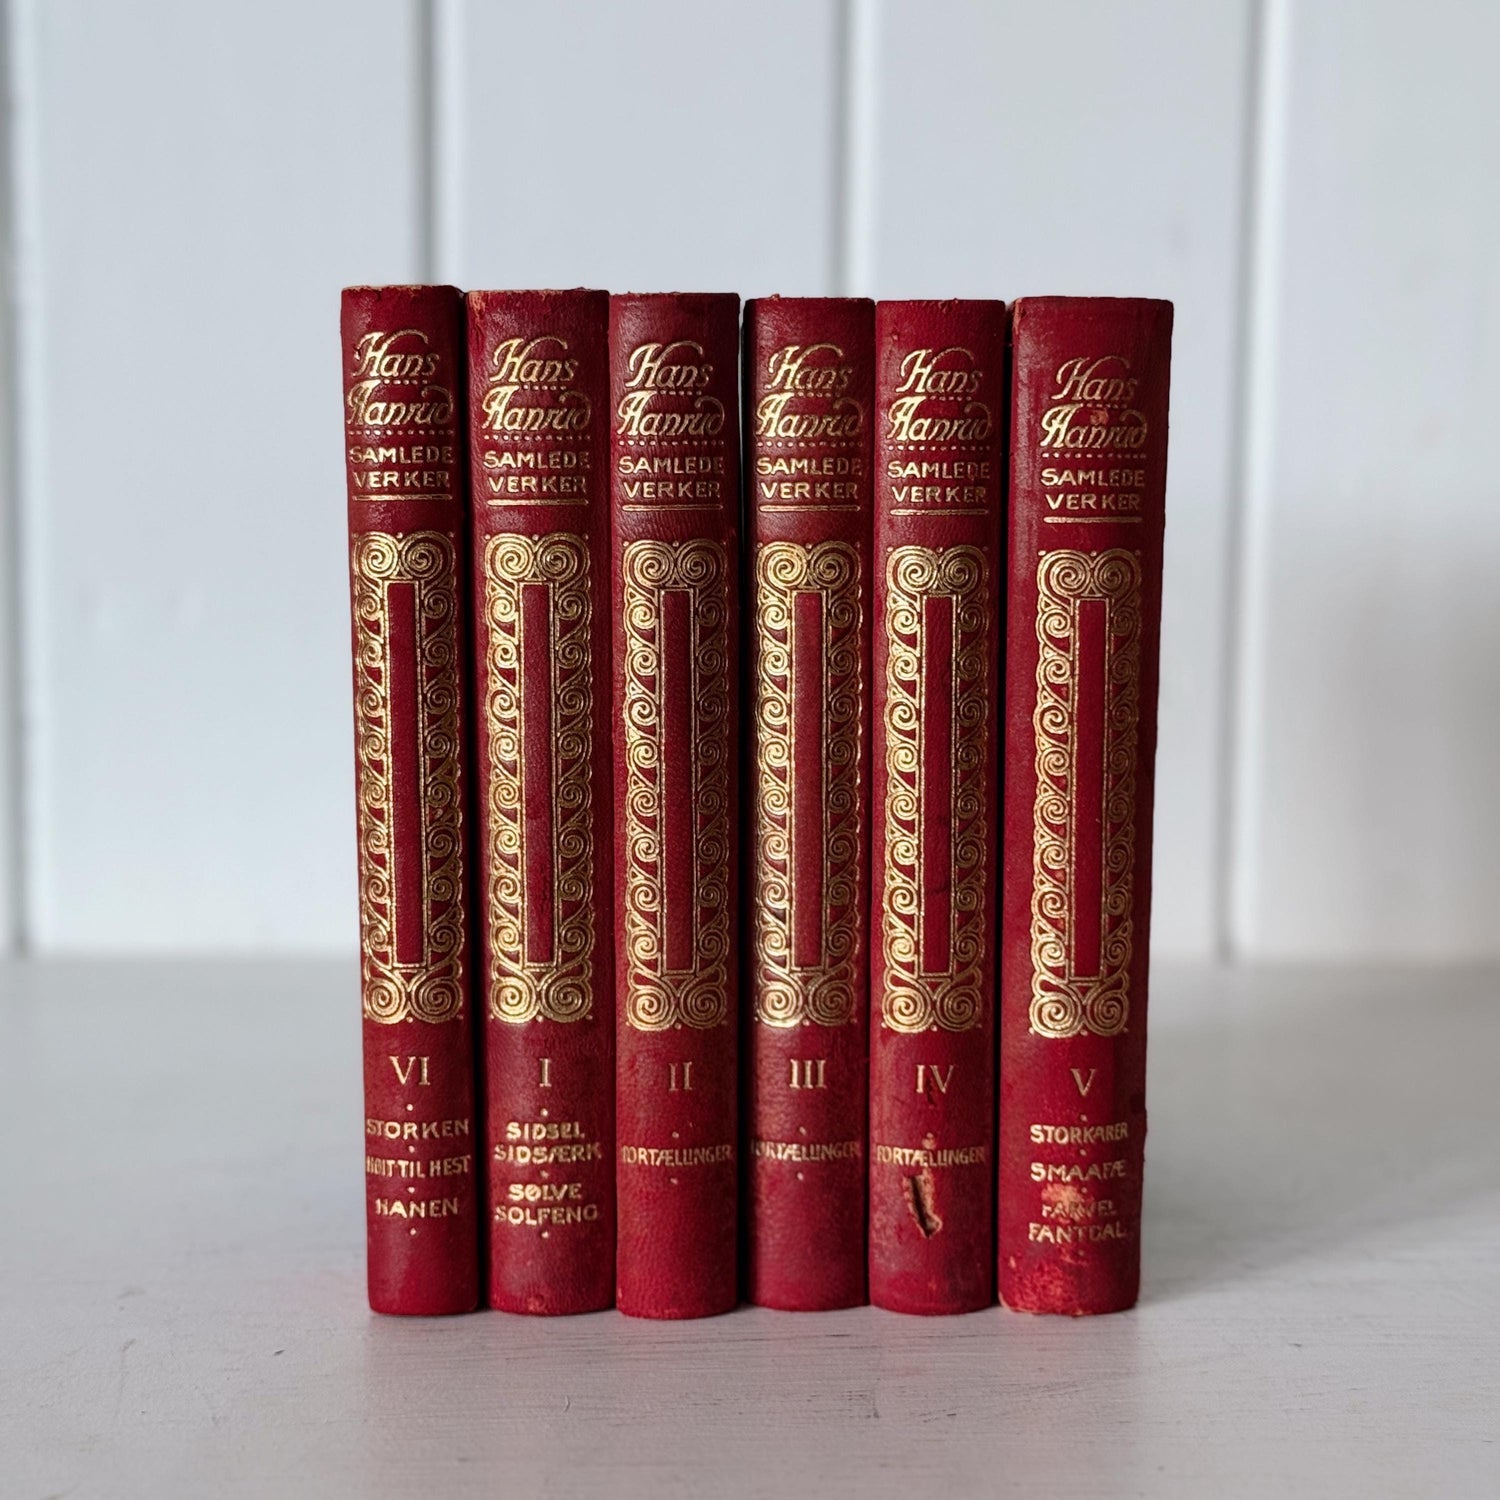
539,457
1088,476
674,464
403,403
938,515
809,383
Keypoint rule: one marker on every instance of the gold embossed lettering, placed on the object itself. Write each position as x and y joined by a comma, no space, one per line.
666,394
936,399
940,1077
1090,410
808,1073
805,399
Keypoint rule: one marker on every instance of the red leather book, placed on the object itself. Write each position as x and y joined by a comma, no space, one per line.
809,393
539,457
939,388
403,405
1088,482
674,464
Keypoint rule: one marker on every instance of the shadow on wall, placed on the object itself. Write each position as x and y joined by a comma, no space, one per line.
1376,810
1296,1124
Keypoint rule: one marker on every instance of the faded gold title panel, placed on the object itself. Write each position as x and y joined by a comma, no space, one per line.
534,425
939,406
805,404
668,405
543,1146
411,1187
399,420
1092,442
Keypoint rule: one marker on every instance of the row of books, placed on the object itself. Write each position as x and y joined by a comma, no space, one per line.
694,875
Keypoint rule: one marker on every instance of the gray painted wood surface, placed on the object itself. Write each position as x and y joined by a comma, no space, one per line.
182,1304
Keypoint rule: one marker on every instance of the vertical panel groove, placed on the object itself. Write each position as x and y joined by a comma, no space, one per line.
841,129
859,80
12,719
445,25
424,85
10,615
1250,495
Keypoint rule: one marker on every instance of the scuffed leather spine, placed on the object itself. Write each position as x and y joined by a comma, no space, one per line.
403,369
1088,484
539,460
675,474
809,382
938,517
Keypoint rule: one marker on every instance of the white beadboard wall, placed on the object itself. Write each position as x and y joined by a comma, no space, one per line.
1369,787
185,187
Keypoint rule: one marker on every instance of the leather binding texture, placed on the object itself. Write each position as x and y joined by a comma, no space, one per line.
939,391
539,459
1088,479
403,405
809,394
674,465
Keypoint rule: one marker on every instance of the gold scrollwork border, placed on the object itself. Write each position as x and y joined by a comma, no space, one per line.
561,988
431,989
657,998
1064,1004
913,1001
822,994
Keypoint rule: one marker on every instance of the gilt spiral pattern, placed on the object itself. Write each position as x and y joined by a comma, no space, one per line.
822,994
560,988
1064,1004
432,989
657,998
